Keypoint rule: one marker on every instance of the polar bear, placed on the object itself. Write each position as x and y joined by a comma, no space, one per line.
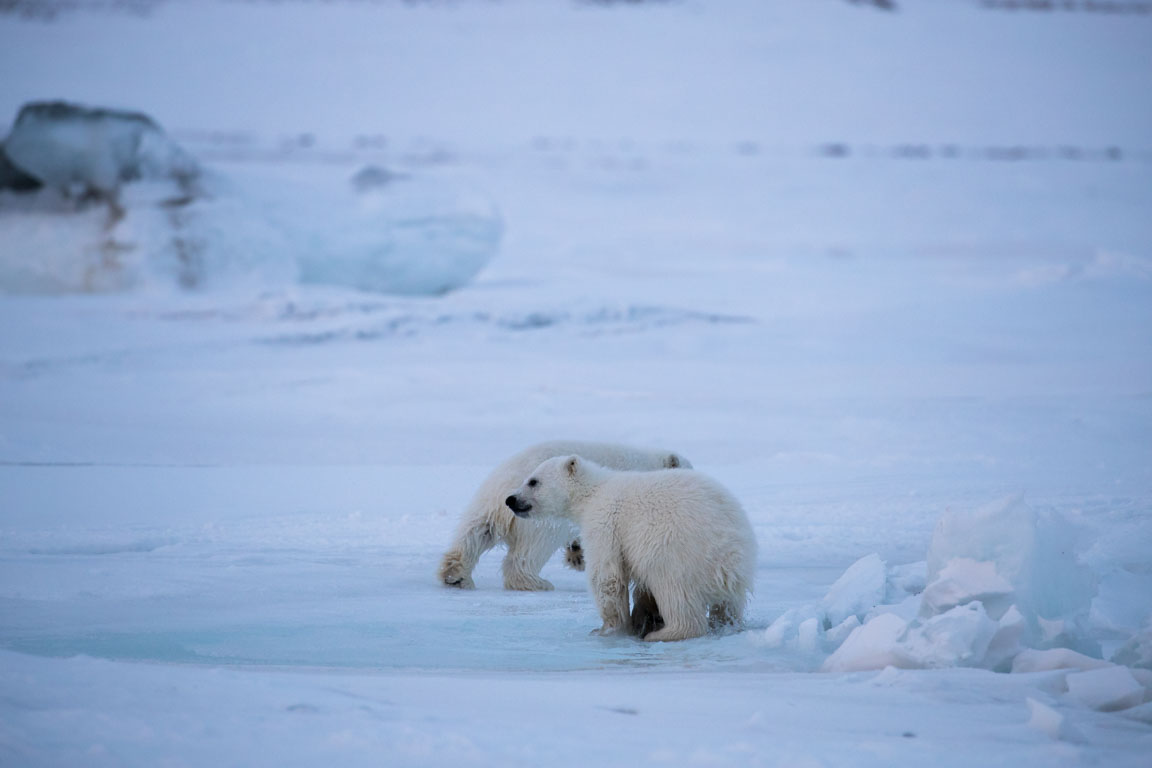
678,535
487,521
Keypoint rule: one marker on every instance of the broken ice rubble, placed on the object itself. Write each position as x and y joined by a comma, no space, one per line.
1002,589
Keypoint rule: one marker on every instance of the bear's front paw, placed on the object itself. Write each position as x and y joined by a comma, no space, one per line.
574,556
454,574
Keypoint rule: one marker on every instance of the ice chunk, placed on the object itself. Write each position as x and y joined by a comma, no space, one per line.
1047,720
958,637
1006,643
1141,714
1108,689
963,580
856,591
907,609
874,645
784,631
1032,660
808,636
839,633
68,145
907,579
13,178
1034,553
1137,652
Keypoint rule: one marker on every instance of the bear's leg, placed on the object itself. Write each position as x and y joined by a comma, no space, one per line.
645,612
683,617
609,586
529,547
473,539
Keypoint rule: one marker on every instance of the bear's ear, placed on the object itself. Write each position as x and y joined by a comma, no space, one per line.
672,461
570,465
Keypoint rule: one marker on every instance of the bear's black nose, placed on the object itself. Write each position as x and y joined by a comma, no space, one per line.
517,506
511,501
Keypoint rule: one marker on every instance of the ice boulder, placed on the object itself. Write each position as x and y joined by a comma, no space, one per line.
13,178
1028,559
73,148
874,645
856,592
961,581
391,233
1137,652
1047,720
1032,660
1107,689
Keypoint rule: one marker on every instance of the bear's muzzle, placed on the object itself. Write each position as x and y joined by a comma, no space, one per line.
518,507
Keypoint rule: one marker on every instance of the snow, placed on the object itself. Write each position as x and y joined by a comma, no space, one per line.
224,489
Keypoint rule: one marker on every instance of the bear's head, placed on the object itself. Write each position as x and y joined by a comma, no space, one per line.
549,489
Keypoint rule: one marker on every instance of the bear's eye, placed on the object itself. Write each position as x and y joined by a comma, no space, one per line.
533,483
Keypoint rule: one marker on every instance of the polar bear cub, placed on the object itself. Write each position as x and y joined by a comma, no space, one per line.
678,535
487,521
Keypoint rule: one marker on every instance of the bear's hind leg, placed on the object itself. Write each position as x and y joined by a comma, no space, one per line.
645,612
682,619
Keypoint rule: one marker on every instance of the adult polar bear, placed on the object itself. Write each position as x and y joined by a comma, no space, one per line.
678,535
487,521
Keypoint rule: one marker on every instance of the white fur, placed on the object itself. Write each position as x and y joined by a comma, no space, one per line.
677,534
487,521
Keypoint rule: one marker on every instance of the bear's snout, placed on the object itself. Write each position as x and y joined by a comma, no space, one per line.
518,507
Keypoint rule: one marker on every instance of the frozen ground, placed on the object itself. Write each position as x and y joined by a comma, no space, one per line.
221,511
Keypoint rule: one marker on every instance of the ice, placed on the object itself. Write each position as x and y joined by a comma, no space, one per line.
957,637
1032,660
1137,652
855,593
66,146
1047,720
1008,553
396,234
874,645
962,581
970,614
1107,689
248,231
13,178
